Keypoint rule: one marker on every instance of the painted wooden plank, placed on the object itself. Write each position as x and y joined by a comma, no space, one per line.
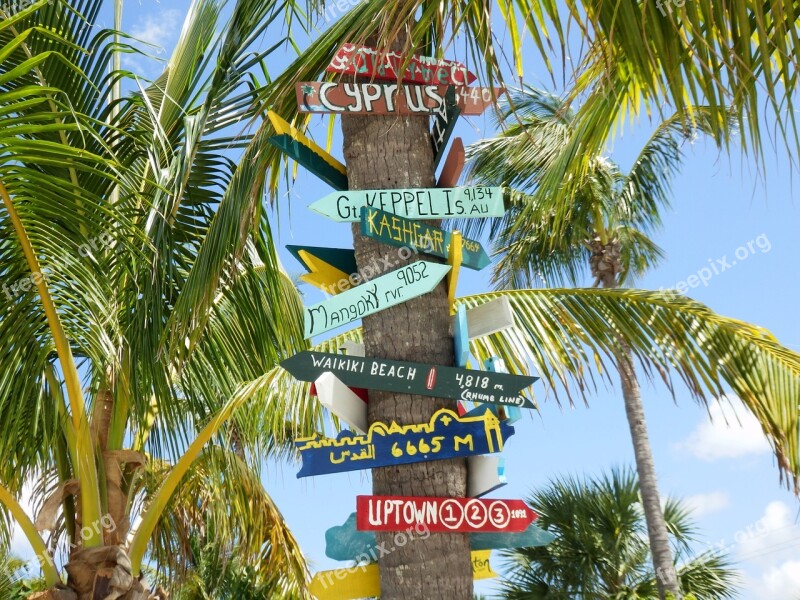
491,317
453,165
485,474
454,259
352,348
442,515
308,154
360,392
445,436
412,378
387,99
383,292
324,276
342,259
363,581
461,337
444,125
352,59
341,401
345,542
511,414
471,202
398,231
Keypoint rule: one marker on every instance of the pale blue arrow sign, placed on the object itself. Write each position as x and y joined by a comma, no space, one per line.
435,203
388,290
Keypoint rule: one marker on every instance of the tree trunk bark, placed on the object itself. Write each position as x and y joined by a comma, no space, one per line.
666,575
384,153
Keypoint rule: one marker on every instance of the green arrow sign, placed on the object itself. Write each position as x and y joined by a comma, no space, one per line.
398,231
412,378
390,289
416,204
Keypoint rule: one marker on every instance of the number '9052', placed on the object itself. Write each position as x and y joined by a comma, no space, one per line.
412,273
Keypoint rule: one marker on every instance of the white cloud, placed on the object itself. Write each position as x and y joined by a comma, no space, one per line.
732,432
706,504
158,29
768,550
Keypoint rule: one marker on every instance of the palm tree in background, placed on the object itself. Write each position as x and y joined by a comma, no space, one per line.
600,550
139,309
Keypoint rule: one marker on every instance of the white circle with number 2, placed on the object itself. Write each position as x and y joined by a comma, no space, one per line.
476,514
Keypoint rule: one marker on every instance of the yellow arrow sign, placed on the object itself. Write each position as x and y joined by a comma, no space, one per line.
323,275
455,258
364,581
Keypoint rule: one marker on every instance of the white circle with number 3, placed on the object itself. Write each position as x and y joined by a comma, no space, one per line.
476,514
499,514
451,514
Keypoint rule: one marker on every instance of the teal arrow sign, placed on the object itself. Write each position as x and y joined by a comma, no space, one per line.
390,289
344,542
398,231
435,203
412,378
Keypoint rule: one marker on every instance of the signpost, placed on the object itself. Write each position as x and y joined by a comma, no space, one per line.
460,337
341,401
344,542
329,269
297,146
491,317
363,581
388,290
352,59
387,99
453,165
445,436
485,474
398,231
444,125
416,204
412,378
454,260
442,515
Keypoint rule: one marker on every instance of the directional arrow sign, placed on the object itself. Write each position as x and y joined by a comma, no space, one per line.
417,204
445,436
385,291
344,542
387,99
453,165
308,154
398,231
442,515
363,581
351,59
485,474
329,269
412,378
444,125
341,401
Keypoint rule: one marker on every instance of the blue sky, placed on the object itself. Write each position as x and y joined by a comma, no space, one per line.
724,470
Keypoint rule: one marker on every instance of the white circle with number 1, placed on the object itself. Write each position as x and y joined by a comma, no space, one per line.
451,514
476,514
499,515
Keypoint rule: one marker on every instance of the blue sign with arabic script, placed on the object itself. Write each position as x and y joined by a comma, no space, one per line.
446,436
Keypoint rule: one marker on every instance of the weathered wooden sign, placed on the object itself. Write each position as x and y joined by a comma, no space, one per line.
444,125
442,515
308,154
345,542
461,337
412,378
388,290
485,474
445,436
387,99
453,165
352,59
329,269
471,202
363,581
398,231
454,259
342,401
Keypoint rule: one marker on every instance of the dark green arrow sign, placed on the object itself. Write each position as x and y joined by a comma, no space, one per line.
413,378
399,231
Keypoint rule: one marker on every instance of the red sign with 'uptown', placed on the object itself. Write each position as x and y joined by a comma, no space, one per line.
464,515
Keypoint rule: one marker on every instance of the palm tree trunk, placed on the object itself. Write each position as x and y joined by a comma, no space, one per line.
395,152
666,575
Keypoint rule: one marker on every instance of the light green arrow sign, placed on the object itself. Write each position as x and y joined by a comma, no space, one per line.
374,296
435,203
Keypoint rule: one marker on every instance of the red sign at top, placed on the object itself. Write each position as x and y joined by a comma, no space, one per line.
463,515
362,60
